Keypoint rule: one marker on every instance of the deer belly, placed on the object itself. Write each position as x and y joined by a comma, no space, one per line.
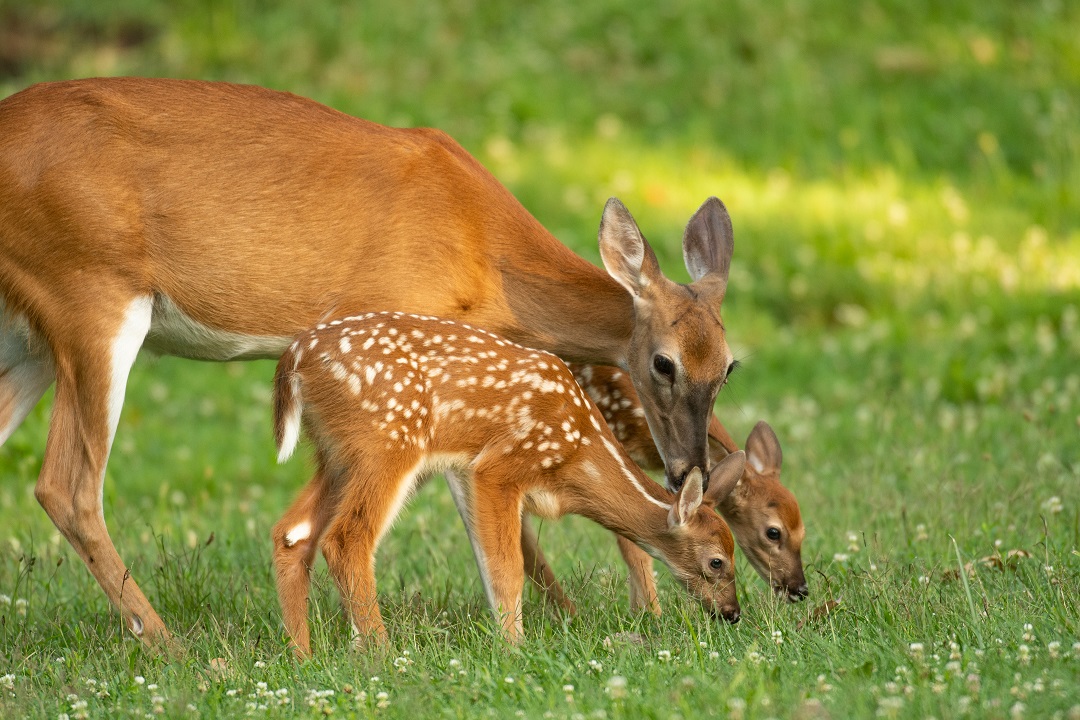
173,332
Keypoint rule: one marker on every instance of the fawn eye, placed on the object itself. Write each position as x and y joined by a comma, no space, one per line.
664,365
773,533
716,563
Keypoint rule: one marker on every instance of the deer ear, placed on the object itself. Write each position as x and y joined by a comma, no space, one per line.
763,452
709,242
626,255
687,501
724,476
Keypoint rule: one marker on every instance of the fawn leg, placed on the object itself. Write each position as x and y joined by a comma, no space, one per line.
642,585
539,571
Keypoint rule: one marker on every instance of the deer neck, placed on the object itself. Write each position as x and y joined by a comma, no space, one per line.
566,305
617,495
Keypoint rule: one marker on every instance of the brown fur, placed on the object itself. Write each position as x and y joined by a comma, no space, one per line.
257,213
757,503
389,399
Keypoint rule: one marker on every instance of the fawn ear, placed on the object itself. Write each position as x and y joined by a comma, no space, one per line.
724,476
708,243
626,255
763,452
687,501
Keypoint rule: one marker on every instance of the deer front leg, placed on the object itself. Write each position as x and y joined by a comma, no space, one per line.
495,522
539,571
642,585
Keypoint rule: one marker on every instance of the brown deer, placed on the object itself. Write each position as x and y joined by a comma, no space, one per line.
389,399
763,514
216,221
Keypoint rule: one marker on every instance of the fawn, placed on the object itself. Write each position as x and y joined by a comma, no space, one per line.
763,514
389,399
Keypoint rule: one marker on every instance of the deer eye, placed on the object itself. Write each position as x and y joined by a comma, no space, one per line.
664,366
716,563
735,365
773,533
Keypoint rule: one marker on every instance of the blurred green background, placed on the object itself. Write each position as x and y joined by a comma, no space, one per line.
905,294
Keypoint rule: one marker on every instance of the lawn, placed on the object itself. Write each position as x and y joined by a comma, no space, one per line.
904,298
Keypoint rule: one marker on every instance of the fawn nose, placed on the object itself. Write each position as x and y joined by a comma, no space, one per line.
732,616
799,593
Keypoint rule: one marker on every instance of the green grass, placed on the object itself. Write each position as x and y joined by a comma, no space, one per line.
905,297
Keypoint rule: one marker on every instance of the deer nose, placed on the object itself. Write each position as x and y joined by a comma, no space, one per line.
798,593
733,616
676,475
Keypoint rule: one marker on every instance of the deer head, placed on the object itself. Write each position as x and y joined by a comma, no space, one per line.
677,356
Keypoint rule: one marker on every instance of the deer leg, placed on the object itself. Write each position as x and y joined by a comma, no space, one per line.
497,538
642,585
296,538
25,375
90,384
374,496
539,571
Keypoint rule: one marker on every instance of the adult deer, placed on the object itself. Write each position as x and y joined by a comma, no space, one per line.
389,399
216,221
762,513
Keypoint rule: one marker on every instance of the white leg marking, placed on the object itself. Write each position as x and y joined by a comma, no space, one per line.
25,375
298,533
459,491
125,347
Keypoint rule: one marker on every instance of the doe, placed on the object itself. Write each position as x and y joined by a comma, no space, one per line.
389,399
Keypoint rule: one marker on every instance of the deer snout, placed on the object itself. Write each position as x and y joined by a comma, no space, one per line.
798,594
793,592
675,474
732,614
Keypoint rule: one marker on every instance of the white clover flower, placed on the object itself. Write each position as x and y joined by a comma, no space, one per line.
916,649
508,680
596,666
1023,654
778,637
714,655
454,662
1017,710
260,664
1053,505
568,688
853,542
921,535
7,682
382,700
840,557
664,655
20,606
924,579
1053,649
616,687
755,657
5,599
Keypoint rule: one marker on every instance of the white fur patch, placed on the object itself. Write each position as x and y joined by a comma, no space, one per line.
172,332
298,533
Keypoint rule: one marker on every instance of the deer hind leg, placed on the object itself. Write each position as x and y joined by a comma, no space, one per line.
539,571
372,496
642,585
90,384
26,372
296,539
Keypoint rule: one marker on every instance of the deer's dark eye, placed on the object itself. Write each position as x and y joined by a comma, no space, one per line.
735,364
664,366
773,533
716,563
